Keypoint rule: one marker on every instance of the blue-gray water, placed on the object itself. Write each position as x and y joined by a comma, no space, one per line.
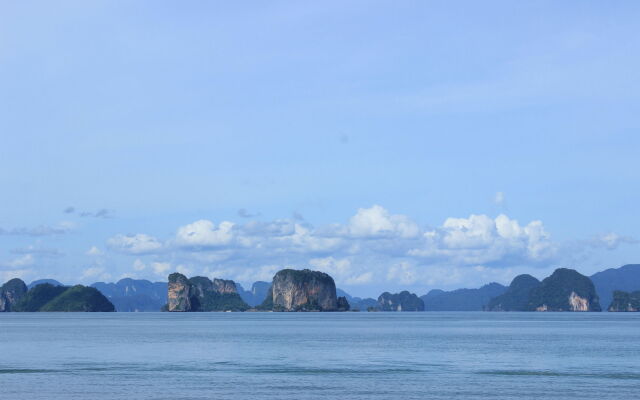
320,356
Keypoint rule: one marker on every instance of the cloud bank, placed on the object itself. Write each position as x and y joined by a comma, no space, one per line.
374,245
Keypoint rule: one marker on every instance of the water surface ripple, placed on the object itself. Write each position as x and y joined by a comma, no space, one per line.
320,356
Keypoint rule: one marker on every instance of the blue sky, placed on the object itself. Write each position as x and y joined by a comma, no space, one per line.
413,145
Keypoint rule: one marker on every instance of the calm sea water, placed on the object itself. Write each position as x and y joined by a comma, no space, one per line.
320,356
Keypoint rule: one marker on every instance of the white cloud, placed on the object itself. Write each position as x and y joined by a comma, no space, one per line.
261,273
377,221
42,230
134,244
373,246
161,268
204,233
305,240
16,273
362,279
184,270
480,239
93,273
404,273
477,231
499,199
612,240
38,251
138,265
24,261
342,270
94,251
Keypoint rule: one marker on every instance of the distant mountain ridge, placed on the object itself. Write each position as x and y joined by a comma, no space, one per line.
256,295
625,278
134,295
357,303
40,281
462,299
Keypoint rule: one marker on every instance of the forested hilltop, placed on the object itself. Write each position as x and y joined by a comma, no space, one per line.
46,297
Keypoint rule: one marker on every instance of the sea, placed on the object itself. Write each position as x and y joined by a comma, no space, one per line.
377,355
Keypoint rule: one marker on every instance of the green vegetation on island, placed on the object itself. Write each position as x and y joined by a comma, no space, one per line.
214,301
202,294
625,278
565,290
403,301
11,293
625,301
46,297
516,298
38,296
303,290
343,304
79,299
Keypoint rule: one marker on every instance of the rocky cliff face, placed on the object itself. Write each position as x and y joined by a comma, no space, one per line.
305,290
403,301
224,286
577,303
178,293
625,301
202,284
201,294
564,290
11,293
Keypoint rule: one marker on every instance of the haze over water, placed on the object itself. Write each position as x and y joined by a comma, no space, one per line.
320,355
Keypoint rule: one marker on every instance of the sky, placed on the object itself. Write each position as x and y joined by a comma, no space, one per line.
395,145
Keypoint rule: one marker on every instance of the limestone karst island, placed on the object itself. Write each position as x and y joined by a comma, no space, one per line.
615,290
